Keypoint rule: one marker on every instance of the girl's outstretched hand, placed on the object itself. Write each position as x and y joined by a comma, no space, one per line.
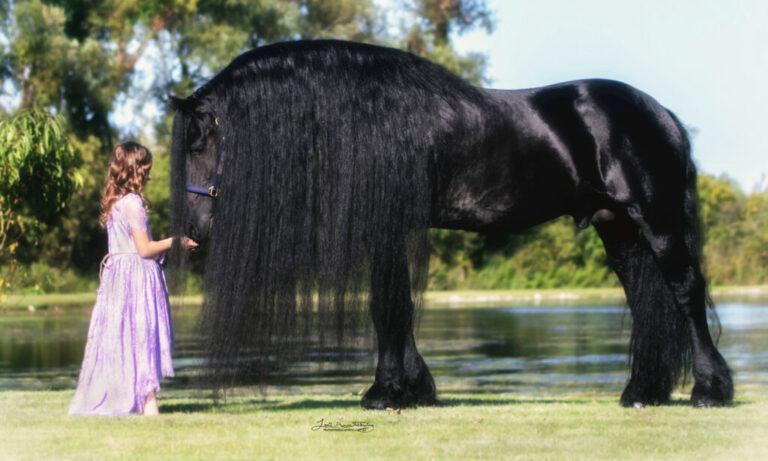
188,244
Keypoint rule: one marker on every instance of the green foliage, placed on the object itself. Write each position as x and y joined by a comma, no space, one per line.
158,194
38,174
39,278
549,256
209,33
440,17
451,262
556,254
429,33
736,232
38,53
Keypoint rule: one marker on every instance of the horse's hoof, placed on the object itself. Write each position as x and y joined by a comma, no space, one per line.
704,399
426,400
380,397
715,392
633,398
706,403
635,404
374,404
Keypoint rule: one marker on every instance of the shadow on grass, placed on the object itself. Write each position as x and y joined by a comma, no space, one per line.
245,406
688,403
211,405
194,407
442,403
253,405
473,402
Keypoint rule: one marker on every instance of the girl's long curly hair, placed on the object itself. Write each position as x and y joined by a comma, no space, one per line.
129,169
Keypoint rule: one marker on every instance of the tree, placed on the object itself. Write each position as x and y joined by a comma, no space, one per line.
73,58
736,231
720,208
755,245
435,21
38,174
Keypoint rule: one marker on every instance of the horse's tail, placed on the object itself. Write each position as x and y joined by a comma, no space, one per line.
694,229
660,335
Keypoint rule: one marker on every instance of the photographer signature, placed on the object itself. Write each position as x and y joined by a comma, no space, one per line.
338,426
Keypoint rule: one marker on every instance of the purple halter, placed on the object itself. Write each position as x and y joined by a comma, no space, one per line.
209,191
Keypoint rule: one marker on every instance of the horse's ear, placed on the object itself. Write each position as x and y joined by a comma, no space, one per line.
176,104
195,107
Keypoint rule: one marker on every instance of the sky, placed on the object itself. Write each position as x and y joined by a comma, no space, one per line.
705,60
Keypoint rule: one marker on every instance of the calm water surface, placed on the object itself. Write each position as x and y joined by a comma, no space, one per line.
526,350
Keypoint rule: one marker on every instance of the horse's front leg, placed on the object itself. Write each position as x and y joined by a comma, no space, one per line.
402,377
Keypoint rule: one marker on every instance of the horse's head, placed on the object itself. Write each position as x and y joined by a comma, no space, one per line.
194,167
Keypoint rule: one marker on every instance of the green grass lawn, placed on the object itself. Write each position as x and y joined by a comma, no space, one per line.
34,425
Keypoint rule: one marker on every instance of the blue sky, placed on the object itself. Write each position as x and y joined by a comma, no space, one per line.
705,60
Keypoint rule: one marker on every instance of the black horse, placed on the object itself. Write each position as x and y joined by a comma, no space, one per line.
314,169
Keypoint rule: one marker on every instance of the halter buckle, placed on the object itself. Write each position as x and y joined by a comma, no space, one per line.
213,191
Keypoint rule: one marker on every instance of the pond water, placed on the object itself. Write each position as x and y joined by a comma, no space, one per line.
526,350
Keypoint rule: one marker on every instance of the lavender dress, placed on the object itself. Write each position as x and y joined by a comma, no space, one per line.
130,336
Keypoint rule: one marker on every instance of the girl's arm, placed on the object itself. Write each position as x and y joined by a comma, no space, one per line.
136,218
150,248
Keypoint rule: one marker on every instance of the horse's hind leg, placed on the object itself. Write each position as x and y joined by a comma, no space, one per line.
673,238
659,341
402,377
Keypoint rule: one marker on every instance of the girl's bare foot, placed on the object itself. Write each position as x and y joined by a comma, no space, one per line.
150,406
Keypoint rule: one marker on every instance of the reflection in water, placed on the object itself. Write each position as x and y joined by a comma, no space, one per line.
521,350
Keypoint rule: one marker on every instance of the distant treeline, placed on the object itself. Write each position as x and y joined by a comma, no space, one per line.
558,254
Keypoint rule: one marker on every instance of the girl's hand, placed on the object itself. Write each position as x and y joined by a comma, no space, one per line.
188,244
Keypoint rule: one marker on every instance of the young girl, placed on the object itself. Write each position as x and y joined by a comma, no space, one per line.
130,338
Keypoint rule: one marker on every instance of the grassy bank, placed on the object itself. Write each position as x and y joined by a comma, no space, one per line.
459,298
32,301
472,426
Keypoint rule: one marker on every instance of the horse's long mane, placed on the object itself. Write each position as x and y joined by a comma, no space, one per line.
329,150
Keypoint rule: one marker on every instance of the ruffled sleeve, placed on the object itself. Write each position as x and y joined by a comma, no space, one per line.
134,212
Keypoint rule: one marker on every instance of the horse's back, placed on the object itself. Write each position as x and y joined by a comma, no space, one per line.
610,125
568,148
629,150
